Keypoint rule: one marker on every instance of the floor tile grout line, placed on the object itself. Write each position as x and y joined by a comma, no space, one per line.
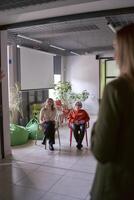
53,167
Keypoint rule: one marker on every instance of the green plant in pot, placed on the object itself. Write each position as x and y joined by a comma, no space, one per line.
63,91
19,134
15,103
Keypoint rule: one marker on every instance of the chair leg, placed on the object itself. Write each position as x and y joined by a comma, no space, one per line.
71,136
59,138
36,139
46,144
86,137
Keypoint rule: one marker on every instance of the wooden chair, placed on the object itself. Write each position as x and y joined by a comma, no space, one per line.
56,132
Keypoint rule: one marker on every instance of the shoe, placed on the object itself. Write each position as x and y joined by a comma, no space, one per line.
43,143
51,148
79,146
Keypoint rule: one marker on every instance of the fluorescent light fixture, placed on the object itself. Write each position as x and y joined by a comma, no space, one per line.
53,46
49,53
111,27
28,38
75,53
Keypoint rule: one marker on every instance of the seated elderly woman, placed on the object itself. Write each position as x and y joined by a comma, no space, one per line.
78,120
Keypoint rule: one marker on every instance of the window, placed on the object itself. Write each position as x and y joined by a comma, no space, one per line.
108,72
57,78
112,71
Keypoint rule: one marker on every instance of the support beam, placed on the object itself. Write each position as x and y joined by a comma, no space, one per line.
102,13
5,148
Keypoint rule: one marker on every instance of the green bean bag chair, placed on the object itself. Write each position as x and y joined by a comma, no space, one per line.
19,135
35,132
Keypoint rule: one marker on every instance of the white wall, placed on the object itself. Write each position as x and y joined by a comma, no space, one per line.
83,73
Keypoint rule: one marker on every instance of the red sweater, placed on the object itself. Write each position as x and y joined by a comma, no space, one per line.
78,115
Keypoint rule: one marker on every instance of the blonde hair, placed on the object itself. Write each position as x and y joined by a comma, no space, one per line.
125,48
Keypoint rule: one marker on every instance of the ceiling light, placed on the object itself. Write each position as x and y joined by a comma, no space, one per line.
56,47
75,53
28,38
111,27
49,53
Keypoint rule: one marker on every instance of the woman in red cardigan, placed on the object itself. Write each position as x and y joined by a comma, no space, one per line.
78,120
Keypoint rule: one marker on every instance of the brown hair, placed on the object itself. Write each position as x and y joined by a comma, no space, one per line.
125,49
52,106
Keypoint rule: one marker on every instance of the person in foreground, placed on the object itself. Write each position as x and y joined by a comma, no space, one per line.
1,75
47,120
112,136
78,120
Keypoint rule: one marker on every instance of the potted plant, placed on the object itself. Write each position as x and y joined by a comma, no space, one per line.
19,134
15,103
63,92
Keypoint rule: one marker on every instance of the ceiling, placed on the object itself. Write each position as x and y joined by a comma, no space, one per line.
82,31
80,36
7,4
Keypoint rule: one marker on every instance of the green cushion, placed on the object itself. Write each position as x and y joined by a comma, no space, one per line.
34,130
19,135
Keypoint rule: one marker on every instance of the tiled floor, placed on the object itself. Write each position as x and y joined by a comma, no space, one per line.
33,173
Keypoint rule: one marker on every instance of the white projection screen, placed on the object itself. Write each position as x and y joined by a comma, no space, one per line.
36,69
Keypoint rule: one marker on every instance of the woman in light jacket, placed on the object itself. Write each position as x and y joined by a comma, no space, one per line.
47,119
112,140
